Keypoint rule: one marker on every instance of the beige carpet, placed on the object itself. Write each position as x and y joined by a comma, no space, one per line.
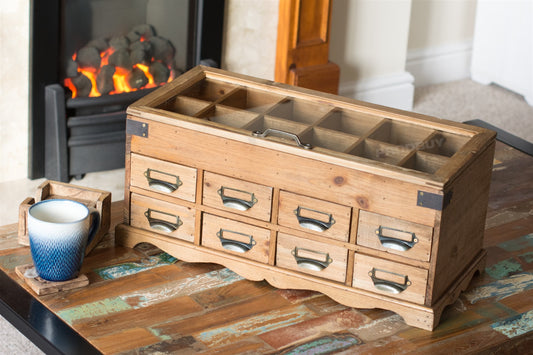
458,101
466,100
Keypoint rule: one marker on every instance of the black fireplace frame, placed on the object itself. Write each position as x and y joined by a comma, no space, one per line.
205,42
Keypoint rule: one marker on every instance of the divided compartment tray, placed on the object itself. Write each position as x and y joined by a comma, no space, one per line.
94,198
330,128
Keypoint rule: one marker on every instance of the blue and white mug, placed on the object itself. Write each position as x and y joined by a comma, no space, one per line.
59,232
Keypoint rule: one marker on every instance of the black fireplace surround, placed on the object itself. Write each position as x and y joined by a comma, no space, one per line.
73,136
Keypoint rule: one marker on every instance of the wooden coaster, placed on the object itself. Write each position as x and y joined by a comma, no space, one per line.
44,287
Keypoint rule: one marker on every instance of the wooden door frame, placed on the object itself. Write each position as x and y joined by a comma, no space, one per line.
302,48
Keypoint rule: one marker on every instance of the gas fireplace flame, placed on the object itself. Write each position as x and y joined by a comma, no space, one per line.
139,60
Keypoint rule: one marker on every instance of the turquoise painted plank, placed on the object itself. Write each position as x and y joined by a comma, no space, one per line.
130,268
504,268
515,326
527,257
10,262
150,296
502,288
99,308
255,325
325,345
517,244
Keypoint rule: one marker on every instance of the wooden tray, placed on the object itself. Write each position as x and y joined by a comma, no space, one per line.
98,199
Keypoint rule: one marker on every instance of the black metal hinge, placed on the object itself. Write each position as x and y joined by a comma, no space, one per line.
137,128
433,201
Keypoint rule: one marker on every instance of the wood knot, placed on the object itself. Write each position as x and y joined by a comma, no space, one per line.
362,201
338,180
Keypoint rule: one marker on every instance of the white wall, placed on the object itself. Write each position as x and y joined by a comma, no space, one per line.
14,49
440,40
369,43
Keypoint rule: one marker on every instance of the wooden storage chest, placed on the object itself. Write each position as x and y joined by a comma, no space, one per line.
374,207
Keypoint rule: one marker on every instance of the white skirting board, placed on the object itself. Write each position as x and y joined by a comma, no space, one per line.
395,90
440,64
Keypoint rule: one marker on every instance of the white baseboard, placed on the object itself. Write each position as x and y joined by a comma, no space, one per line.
440,64
395,90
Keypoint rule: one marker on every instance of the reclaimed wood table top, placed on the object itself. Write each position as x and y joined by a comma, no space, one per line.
143,300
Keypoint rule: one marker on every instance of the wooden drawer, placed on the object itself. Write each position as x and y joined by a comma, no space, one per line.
162,217
236,237
394,235
237,196
312,257
389,278
164,177
312,215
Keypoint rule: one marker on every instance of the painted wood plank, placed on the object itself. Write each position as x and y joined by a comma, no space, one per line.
226,315
99,290
131,268
185,287
327,344
117,322
501,288
515,326
19,257
128,339
181,345
254,325
247,346
504,268
380,328
103,307
232,293
309,330
518,244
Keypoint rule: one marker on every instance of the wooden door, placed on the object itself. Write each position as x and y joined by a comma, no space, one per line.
302,52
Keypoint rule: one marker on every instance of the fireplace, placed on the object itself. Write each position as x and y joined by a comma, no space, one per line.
90,59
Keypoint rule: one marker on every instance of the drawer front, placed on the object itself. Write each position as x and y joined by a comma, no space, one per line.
237,196
312,215
389,278
394,235
312,257
236,237
163,177
162,217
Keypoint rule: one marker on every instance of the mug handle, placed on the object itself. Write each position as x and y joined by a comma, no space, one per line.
95,226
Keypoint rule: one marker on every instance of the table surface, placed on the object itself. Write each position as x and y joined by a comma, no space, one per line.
146,300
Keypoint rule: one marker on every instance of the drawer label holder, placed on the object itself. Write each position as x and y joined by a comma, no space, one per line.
234,244
387,240
162,185
305,260
160,223
314,223
389,285
235,202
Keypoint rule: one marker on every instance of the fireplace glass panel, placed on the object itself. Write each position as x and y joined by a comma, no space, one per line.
115,46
